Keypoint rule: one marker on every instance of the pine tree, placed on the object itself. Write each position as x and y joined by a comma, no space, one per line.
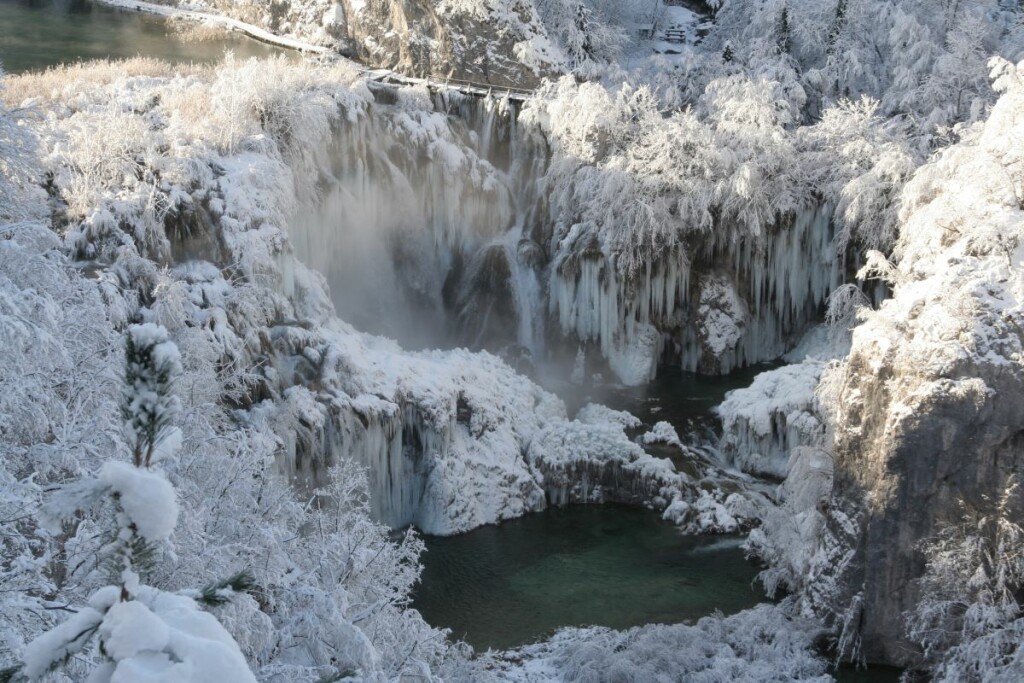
143,633
785,39
837,26
727,54
148,406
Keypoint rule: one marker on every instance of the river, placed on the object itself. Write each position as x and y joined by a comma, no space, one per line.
35,34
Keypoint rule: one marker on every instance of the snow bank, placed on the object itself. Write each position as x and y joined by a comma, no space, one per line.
754,646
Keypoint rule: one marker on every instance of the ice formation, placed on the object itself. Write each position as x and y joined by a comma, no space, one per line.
434,210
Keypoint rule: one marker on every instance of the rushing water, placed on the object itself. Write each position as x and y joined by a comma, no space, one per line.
502,586
35,34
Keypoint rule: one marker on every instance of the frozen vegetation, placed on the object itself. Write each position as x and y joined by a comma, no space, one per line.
211,460
760,644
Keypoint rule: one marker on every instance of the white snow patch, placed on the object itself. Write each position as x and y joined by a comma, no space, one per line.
146,497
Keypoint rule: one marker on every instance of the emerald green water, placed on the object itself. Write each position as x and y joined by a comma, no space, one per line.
35,34
503,586
507,585
683,399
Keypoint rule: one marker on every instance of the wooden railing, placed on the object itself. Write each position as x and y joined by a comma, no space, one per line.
448,83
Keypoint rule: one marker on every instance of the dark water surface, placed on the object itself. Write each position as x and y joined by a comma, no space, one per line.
506,585
35,34
683,399
502,586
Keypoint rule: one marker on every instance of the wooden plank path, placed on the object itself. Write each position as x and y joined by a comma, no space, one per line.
378,75
445,83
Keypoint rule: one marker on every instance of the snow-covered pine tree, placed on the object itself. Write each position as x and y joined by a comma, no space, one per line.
785,39
144,634
837,25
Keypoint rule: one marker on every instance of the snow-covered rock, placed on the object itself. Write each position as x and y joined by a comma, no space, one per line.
925,408
759,644
762,423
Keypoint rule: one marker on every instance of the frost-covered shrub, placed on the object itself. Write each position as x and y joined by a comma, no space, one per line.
58,414
144,633
757,645
18,167
968,620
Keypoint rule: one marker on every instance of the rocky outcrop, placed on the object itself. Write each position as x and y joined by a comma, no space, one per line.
414,37
928,422
912,451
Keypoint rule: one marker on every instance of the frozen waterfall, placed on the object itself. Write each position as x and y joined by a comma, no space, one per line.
433,227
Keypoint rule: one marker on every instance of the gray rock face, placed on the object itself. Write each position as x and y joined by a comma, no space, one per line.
412,37
911,448
928,418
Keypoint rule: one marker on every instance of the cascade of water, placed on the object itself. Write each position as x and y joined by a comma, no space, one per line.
412,196
434,217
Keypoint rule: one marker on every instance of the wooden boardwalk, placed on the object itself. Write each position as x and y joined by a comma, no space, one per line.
445,83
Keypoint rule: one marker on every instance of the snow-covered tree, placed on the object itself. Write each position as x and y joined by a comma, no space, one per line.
860,161
920,59
143,633
969,621
17,163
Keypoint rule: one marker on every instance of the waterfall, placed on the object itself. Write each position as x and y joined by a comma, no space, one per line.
413,195
433,227
430,231
731,303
